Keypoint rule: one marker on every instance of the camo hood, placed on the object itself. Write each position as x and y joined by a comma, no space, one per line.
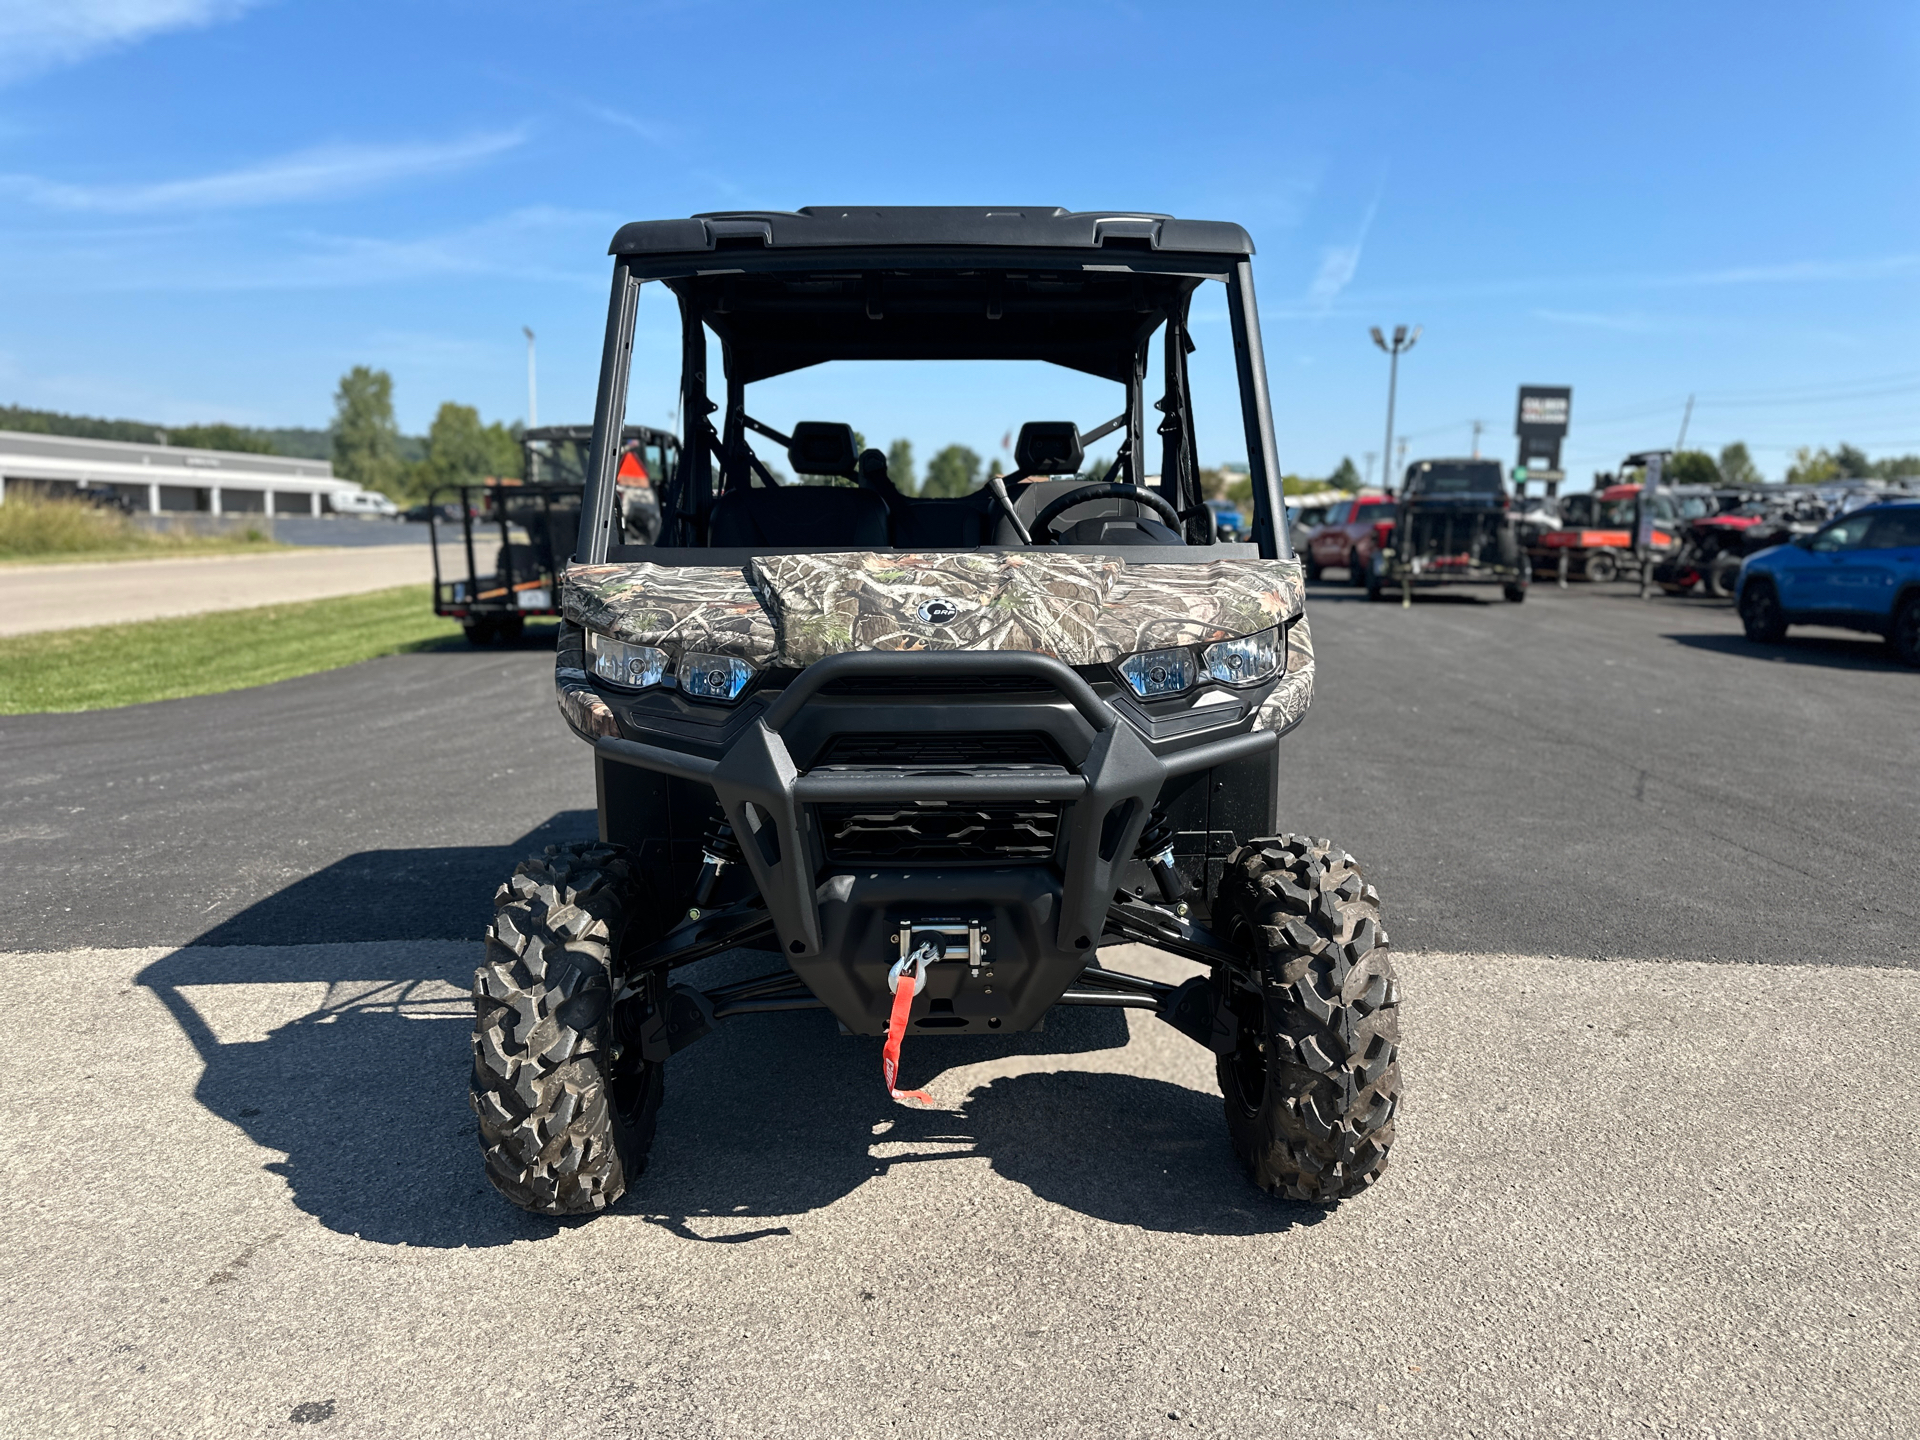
791,610
795,609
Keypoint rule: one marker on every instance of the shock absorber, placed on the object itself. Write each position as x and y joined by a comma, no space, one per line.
718,849
1156,848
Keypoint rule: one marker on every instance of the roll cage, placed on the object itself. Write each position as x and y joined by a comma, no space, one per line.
785,290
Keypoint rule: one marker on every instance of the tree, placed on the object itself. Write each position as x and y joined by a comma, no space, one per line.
1852,462
462,451
955,471
1896,466
220,436
900,466
1737,467
1691,467
366,440
1346,475
1811,467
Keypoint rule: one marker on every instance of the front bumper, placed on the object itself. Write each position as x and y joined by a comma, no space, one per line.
837,923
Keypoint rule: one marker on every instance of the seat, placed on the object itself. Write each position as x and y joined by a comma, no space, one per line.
814,517
963,523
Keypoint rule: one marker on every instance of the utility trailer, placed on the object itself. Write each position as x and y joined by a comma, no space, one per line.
1455,526
526,528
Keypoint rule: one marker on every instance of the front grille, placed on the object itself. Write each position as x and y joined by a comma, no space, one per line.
987,747
936,684
939,834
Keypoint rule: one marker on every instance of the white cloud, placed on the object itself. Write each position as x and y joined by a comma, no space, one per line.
1337,266
647,130
1633,324
36,35
534,244
306,175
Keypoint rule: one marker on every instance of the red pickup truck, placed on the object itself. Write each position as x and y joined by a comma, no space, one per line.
1348,536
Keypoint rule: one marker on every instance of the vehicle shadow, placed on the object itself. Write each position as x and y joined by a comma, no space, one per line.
777,1118
534,637
1836,652
389,895
351,1061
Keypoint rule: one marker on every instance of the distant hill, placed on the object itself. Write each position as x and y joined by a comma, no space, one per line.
301,444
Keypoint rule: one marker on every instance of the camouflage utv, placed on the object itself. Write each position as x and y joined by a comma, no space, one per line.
933,753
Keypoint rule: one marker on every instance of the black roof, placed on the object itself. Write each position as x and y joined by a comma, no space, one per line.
584,433
866,227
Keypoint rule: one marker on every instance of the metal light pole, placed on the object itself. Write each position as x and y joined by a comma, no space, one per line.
1400,344
533,401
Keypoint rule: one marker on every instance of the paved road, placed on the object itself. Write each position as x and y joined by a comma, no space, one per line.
345,530
67,597
1670,1193
1585,775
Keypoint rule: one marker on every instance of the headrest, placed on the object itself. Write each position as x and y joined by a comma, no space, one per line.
820,447
1048,447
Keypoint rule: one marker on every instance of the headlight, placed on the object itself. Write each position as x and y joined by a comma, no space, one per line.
631,667
1154,673
713,677
1247,659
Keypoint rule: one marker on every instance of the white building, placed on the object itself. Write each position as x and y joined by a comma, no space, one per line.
164,478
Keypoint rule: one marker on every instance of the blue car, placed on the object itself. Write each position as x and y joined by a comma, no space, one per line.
1861,572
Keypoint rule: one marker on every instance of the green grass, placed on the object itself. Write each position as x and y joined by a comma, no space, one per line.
38,531
111,665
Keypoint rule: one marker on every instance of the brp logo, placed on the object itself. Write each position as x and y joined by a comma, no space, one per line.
939,611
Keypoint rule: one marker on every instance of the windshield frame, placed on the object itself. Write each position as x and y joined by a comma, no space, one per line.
705,444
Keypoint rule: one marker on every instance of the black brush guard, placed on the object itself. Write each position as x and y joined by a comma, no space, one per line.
839,926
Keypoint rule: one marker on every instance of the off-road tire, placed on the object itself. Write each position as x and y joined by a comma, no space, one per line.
1723,576
566,1117
1904,634
1602,568
1376,582
1761,614
1356,572
1312,566
1514,592
1313,1083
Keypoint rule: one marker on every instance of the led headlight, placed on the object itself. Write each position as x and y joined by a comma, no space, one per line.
1246,659
713,677
631,667
1154,673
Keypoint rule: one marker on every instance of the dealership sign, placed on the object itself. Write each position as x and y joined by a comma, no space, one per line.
1544,411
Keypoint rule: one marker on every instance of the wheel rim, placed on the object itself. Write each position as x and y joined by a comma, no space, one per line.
1757,607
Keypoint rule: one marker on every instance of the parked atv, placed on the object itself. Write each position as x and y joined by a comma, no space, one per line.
1713,547
1599,547
933,755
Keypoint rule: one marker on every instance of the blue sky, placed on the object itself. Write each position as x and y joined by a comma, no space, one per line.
210,208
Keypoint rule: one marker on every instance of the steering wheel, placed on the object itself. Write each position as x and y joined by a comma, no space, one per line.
1102,490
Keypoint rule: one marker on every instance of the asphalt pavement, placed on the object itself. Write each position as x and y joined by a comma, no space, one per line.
1586,774
1653,892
